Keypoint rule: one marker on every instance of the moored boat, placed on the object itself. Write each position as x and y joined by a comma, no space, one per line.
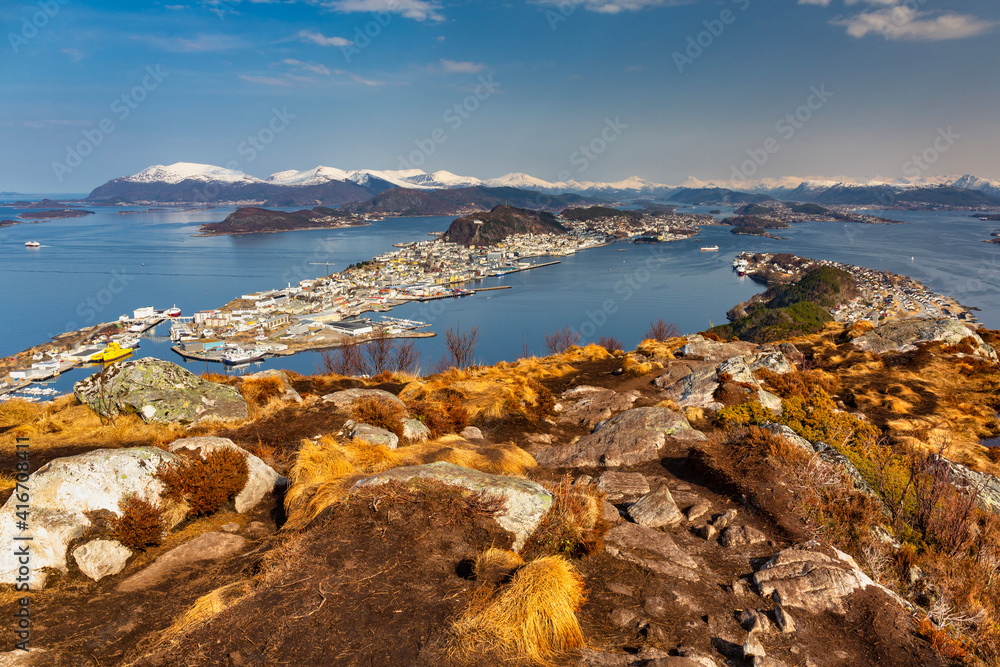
113,352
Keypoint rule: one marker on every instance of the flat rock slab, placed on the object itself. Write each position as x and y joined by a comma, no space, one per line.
261,480
205,547
64,490
741,536
629,438
587,406
161,392
525,502
650,549
809,578
618,486
656,509
343,400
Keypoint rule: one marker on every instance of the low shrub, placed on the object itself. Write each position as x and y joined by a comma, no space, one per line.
205,484
746,414
140,523
573,526
379,412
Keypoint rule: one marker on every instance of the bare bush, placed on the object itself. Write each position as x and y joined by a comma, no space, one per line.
461,346
346,360
379,350
661,331
610,343
560,341
406,358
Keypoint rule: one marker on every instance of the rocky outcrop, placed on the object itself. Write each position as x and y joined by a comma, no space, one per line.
984,485
65,490
587,406
343,400
160,392
415,430
525,502
811,577
693,384
699,347
791,437
904,335
632,437
261,478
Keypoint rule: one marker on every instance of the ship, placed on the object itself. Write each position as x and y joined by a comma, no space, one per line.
239,355
741,267
32,244
113,352
709,248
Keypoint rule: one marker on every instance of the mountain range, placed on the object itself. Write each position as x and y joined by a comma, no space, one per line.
186,182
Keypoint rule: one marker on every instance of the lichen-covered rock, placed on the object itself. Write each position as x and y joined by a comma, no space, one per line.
656,509
415,430
159,392
101,558
261,478
525,502
64,490
629,438
343,400
903,335
373,435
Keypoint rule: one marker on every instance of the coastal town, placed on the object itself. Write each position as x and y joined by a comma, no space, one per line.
351,305
884,295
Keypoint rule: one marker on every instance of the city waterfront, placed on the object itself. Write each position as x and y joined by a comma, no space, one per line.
97,268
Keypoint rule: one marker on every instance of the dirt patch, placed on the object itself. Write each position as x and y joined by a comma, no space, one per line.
372,582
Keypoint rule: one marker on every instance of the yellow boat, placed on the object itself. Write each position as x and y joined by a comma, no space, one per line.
113,352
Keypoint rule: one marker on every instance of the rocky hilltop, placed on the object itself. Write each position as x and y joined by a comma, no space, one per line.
820,501
489,228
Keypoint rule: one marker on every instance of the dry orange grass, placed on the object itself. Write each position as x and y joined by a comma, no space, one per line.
660,350
496,566
325,469
206,608
531,619
66,424
634,367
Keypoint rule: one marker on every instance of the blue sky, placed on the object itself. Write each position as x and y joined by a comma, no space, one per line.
139,83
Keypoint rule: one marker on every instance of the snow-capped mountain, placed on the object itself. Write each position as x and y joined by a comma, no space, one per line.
187,181
184,171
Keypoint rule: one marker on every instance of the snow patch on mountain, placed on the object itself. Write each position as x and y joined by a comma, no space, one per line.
189,171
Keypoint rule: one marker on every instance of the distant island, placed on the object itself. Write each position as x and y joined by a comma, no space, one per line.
250,220
55,215
487,229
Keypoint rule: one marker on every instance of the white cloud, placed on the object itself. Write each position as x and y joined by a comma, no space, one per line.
418,10
462,67
315,68
268,80
903,23
322,40
615,6
359,79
